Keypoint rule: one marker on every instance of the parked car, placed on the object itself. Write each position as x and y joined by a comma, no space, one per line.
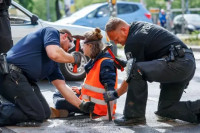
96,15
23,22
191,23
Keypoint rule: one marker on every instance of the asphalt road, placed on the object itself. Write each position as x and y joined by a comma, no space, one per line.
82,124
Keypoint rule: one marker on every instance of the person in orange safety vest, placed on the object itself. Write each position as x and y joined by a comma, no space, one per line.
99,70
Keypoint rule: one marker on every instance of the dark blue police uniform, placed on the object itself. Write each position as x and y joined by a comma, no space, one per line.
29,63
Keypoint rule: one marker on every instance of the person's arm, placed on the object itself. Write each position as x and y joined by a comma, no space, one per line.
57,54
108,74
67,92
122,89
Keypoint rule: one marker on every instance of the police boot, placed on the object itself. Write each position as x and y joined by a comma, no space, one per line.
130,121
186,111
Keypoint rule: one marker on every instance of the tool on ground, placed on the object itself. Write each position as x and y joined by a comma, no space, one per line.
77,47
108,48
108,104
90,112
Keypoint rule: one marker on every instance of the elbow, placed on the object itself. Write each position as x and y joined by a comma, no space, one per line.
53,56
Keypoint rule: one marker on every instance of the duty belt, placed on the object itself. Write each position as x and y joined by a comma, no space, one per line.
177,51
15,68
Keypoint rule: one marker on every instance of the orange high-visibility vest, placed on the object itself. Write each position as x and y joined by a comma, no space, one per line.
92,87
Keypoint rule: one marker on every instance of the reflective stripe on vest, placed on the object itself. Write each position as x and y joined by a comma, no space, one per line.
92,87
96,101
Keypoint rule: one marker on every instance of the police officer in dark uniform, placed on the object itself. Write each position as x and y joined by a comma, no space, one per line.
5,31
153,54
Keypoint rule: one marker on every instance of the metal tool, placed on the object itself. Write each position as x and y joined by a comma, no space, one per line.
108,104
77,47
90,112
108,48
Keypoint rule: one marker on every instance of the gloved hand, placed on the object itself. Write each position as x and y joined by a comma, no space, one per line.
129,69
87,107
110,95
121,62
77,57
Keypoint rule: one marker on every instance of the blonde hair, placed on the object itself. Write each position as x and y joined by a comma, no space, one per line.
94,38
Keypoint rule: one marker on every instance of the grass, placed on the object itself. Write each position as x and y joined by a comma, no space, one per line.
191,39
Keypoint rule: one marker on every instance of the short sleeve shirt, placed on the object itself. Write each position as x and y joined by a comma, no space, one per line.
30,55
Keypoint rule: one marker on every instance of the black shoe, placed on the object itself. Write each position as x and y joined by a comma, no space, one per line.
164,119
130,121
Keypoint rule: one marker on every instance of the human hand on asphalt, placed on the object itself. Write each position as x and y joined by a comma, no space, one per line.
87,107
110,95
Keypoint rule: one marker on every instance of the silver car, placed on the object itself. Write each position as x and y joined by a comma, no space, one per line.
24,22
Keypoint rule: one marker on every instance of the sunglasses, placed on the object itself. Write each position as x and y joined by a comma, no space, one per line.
70,40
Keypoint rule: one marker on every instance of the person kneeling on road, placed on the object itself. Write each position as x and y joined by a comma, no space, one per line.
153,54
33,58
99,70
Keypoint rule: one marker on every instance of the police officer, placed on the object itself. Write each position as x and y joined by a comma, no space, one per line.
33,58
153,54
5,31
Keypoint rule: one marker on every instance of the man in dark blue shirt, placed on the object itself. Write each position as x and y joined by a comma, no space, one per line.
33,58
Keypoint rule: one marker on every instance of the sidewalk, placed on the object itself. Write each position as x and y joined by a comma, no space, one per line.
195,48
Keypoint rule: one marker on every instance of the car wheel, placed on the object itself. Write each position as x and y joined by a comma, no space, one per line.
67,69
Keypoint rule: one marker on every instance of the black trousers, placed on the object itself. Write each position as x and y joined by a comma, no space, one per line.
61,103
173,77
5,32
30,105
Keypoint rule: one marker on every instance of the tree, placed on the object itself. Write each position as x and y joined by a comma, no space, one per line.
58,14
28,4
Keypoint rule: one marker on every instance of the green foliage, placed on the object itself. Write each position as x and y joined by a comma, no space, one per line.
39,7
192,39
81,3
28,4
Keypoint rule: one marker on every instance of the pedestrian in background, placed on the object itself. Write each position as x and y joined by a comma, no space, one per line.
162,18
154,55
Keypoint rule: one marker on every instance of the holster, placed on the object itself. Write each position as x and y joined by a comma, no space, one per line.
3,64
177,51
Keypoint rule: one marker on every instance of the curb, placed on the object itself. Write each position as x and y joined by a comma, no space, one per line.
195,48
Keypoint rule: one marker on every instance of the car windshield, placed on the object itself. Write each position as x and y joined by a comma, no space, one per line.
192,18
84,11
